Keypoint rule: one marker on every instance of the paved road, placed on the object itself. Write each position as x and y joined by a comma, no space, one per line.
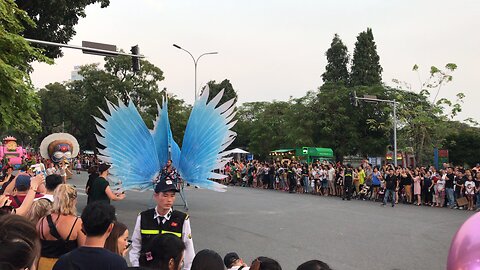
292,228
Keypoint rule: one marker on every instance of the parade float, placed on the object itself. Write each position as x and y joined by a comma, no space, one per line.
11,153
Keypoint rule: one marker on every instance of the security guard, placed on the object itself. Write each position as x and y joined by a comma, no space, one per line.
347,182
161,220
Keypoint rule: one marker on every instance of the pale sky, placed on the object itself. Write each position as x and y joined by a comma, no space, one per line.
274,49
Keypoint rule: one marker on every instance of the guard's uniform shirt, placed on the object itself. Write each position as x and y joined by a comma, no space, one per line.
348,175
347,183
150,223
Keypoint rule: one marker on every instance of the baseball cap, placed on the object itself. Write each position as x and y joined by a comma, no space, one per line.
23,181
165,185
103,167
230,258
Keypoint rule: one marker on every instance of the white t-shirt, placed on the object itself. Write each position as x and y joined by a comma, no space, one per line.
323,174
441,184
50,171
469,187
331,172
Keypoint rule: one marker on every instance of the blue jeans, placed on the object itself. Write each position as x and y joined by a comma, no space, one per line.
306,184
450,197
387,193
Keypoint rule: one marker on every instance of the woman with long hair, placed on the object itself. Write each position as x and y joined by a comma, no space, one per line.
92,175
39,209
117,242
60,232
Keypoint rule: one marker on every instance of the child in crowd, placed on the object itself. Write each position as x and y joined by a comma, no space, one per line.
470,192
440,194
435,177
363,192
78,166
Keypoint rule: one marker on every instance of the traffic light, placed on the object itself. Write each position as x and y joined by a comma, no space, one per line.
135,60
353,98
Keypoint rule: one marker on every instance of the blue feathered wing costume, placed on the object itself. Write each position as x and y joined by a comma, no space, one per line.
138,154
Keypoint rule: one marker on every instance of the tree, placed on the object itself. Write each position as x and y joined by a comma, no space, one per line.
58,109
247,117
350,130
55,20
141,87
337,57
18,101
70,106
424,124
226,86
269,128
366,69
463,146
265,126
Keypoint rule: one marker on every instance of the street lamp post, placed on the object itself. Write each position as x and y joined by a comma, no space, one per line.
394,103
395,130
195,62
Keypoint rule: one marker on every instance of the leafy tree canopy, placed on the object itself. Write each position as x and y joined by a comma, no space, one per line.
424,122
70,106
463,146
18,101
55,20
337,60
226,86
366,68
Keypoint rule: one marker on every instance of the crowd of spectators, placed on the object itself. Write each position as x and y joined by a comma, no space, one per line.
40,229
453,187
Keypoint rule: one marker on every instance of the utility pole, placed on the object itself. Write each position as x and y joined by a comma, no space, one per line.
394,103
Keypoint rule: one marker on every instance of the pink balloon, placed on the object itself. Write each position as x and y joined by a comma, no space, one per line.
464,251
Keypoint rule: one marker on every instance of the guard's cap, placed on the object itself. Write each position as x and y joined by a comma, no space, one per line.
165,185
230,258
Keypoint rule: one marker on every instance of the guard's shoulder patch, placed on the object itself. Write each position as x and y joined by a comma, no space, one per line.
187,217
189,236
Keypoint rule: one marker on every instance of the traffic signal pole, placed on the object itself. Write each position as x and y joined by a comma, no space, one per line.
394,103
97,48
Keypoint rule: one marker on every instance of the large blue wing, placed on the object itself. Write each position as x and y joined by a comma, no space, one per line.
206,136
166,147
129,146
